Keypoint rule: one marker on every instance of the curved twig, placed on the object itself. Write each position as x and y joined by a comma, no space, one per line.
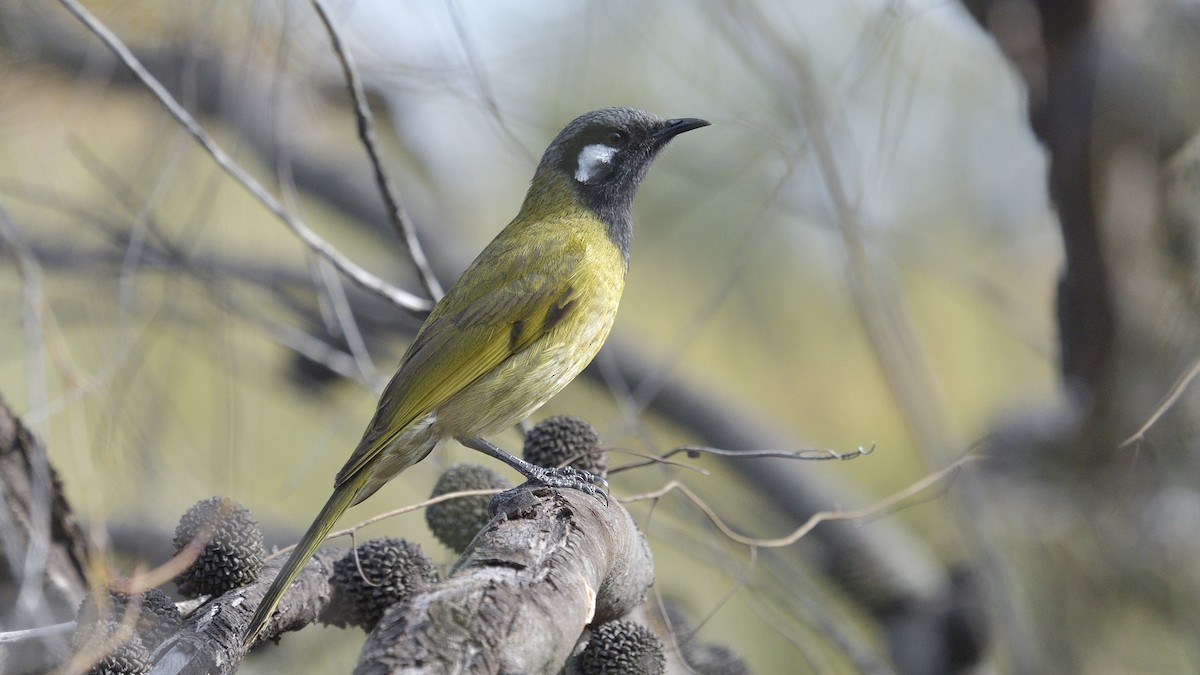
399,297
880,506
396,512
366,132
693,451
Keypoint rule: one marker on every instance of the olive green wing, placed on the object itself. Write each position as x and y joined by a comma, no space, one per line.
462,341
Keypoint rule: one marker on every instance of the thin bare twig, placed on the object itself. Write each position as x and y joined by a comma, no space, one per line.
880,506
880,305
1169,400
475,65
675,633
399,297
366,133
396,512
362,574
818,454
31,570
13,636
90,653
634,403
166,255
811,454
334,298
649,459
742,581
143,580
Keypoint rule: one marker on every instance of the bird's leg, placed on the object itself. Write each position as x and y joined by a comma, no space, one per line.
556,477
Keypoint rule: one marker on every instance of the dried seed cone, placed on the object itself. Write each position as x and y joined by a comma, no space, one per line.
392,569
622,647
455,522
565,439
233,554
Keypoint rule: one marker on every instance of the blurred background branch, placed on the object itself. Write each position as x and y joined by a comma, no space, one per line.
1086,566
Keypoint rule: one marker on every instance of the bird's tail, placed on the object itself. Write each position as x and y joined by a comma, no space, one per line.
343,496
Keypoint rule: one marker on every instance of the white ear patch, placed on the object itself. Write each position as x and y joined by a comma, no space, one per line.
591,158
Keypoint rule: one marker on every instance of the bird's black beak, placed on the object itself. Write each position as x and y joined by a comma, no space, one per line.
674,127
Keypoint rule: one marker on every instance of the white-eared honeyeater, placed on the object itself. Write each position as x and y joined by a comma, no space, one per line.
523,320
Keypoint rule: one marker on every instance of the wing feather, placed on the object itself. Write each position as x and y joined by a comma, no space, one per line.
467,337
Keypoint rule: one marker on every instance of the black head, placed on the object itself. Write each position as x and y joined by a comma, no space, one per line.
604,154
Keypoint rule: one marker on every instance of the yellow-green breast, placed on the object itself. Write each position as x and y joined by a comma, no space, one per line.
584,274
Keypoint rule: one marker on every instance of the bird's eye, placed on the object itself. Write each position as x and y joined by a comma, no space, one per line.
616,138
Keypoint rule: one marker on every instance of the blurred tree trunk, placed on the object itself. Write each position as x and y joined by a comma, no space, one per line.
1086,540
42,569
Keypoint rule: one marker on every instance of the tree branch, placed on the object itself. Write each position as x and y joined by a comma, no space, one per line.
60,578
401,298
210,640
549,564
366,132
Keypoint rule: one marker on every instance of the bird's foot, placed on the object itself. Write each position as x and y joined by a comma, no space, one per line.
571,478
555,477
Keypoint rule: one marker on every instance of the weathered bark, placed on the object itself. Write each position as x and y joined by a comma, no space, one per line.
549,564
211,638
42,580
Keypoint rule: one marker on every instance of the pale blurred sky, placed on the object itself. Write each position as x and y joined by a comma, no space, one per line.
926,119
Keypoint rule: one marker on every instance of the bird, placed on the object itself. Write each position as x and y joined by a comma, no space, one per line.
525,317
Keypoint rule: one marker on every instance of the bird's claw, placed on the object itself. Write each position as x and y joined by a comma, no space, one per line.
575,479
